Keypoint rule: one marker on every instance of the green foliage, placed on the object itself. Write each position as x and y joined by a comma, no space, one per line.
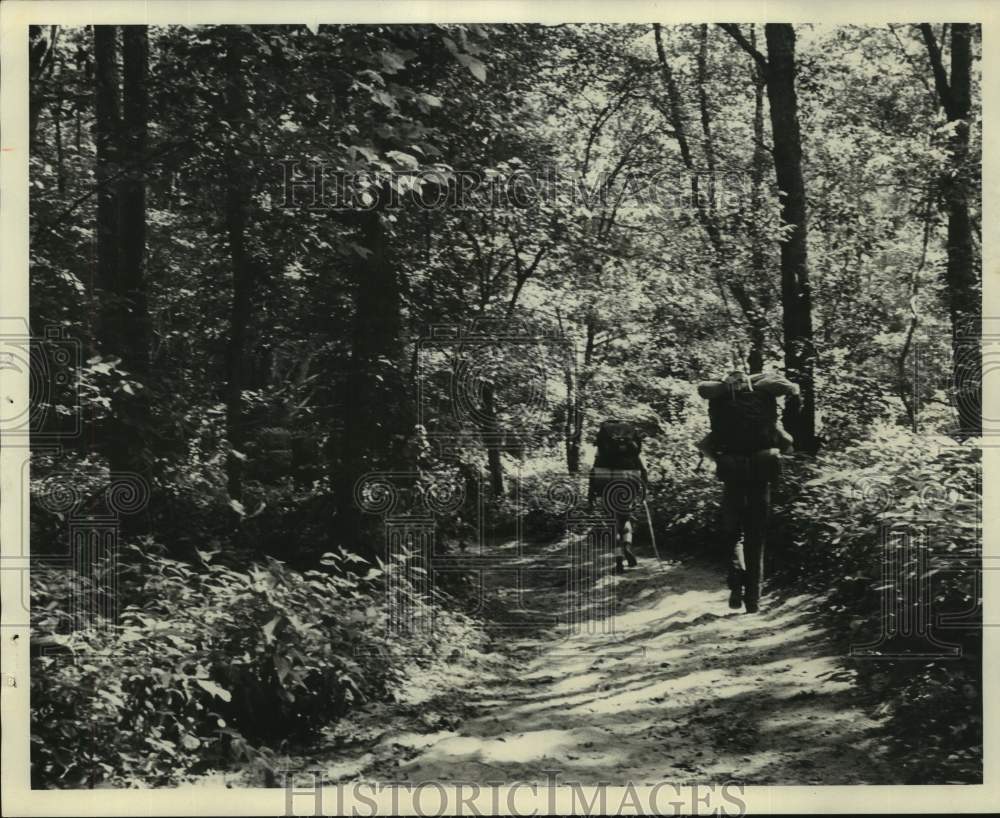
684,492
213,660
209,665
543,496
830,538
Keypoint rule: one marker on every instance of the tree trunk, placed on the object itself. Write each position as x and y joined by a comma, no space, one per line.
908,390
133,199
758,253
572,440
123,324
376,344
237,205
963,276
106,124
57,117
800,414
708,142
135,407
489,426
377,414
577,408
492,430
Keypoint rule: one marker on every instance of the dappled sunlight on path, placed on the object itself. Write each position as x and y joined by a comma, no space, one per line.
675,686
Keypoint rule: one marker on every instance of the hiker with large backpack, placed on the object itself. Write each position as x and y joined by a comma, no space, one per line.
620,479
746,443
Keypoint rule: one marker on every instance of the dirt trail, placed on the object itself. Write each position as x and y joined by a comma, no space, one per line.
683,690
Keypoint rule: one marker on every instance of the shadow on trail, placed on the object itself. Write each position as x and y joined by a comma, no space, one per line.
643,677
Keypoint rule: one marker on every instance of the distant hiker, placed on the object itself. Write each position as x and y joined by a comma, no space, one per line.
618,475
745,444
417,452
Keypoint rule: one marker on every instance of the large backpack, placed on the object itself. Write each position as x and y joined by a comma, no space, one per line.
743,421
618,464
618,445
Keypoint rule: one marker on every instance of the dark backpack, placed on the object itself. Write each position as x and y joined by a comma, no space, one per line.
618,445
743,422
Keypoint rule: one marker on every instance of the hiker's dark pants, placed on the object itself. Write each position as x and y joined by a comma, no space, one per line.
745,509
623,532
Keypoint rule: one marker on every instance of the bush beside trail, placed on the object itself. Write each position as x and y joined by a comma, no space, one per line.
212,666
830,519
917,495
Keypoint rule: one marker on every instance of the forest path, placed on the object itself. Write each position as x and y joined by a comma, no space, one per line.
683,690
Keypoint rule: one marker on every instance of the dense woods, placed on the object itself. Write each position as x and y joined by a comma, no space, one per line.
258,237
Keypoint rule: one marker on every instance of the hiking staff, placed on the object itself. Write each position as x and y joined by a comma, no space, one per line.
619,477
652,534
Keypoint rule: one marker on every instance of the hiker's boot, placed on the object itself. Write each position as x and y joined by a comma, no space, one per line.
751,603
619,565
735,582
632,561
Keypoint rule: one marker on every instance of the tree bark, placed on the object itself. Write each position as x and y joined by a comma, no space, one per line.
376,413
576,404
123,324
137,406
106,125
963,277
57,117
375,394
580,415
908,391
799,415
708,142
133,198
493,443
778,69
758,253
572,442
237,205
488,424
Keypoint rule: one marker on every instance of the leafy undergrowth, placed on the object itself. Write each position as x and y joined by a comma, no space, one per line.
221,668
895,520
214,668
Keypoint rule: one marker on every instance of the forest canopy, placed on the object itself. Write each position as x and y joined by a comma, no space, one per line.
287,257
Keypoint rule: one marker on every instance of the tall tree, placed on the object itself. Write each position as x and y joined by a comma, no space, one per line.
107,124
135,54
135,404
375,411
758,254
963,276
779,69
237,206
123,326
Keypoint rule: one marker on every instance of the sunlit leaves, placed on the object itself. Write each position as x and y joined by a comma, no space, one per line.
475,66
214,689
